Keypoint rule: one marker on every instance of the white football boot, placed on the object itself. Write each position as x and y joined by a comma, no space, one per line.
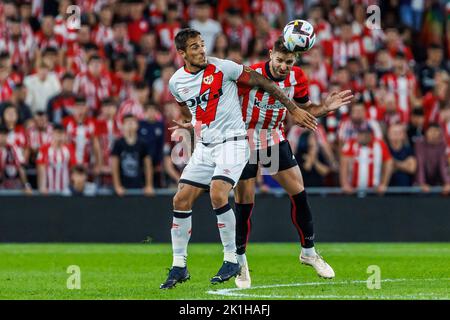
322,268
243,280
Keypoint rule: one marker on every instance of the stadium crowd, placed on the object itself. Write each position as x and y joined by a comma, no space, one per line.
87,106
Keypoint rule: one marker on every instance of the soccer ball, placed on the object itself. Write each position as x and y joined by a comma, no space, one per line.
299,36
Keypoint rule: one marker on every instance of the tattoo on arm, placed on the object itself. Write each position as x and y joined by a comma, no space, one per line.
253,79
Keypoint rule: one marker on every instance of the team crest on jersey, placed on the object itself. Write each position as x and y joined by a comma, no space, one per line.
208,80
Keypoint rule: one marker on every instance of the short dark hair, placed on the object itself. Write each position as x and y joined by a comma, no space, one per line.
279,46
68,75
108,102
3,129
128,116
94,57
59,127
79,169
80,100
183,36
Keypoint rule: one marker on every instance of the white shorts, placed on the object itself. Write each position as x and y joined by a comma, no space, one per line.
223,161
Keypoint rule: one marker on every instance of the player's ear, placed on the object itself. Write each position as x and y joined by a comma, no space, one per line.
270,53
182,53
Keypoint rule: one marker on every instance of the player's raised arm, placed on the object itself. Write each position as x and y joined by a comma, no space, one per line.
333,102
251,78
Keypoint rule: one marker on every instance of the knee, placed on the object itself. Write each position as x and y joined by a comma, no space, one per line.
181,202
218,199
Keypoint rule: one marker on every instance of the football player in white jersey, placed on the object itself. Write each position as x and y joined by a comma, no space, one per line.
206,89
269,147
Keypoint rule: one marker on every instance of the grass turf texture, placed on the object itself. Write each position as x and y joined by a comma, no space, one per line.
135,271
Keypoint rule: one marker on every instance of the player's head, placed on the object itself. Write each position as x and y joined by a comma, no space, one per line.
129,125
281,59
191,47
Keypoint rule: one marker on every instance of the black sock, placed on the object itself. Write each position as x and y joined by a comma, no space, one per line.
243,226
302,219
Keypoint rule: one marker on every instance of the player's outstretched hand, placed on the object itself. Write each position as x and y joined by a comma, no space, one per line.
338,99
181,125
304,118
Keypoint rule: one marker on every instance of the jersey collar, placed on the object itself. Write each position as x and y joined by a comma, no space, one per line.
269,74
193,73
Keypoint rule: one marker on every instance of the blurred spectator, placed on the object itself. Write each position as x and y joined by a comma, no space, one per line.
62,105
18,100
41,87
81,134
312,160
131,163
138,25
405,163
151,131
103,32
135,104
18,43
16,133
402,83
12,172
54,161
436,99
120,43
365,163
220,49
79,185
209,28
7,82
348,129
433,64
416,126
238,30
107,131
161,92
38,134
47,37
432,166
167,30
153,70
94,84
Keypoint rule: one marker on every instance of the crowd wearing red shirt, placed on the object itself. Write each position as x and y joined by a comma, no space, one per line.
118,59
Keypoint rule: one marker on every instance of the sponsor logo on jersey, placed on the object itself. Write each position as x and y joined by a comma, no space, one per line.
197,101
208,80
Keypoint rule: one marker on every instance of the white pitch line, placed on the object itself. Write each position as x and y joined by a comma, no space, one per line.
237,292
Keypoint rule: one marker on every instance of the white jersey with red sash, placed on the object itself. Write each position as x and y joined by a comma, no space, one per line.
211,95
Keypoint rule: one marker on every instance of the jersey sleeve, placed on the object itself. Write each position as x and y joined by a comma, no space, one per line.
173,91
301,91
231,70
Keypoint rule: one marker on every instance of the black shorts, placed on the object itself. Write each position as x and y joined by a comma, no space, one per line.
286,160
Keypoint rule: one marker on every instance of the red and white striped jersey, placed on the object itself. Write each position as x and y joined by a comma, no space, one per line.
37,138
43,42
340,52
102,35
107,131
80,135
18,138
57,162
10,162
94,89
130,106
263,114
431,108
367,162
402,87
6,89
69,35
20,50
211,94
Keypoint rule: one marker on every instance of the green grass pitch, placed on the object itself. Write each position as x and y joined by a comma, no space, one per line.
135,271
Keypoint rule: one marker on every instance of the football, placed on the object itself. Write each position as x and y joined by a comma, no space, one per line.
299,36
